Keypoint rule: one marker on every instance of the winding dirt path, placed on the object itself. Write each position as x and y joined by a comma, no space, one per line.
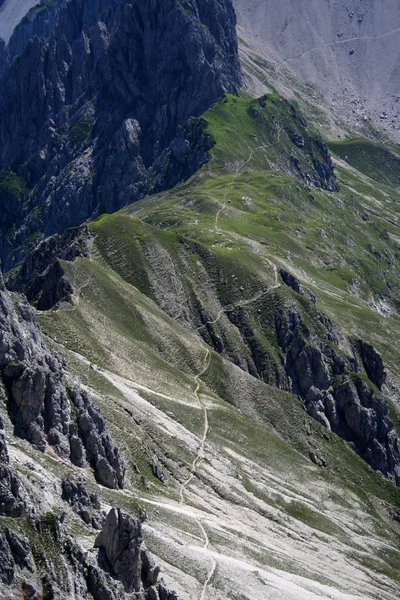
198,458
351,40
200,453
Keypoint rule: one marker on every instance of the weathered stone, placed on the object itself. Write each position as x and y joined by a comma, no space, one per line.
150,569
291,281
21,550
38,400
41,277
120,544
373,363
352,410
86,505
100,449
131,87
12,499
124,555
6,561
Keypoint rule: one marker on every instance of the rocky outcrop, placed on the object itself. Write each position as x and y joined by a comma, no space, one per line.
308,156
291,281
373,363
337,391
13,502
120,543
15,558
20,549
115,87
123,553
39,402
86,505
51,564
41,276
98,447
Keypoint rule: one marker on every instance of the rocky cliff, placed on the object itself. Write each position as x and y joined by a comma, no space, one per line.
46,562
342,392
114,88
43,408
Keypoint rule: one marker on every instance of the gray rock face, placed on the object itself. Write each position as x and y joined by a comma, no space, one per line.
124,555
336,393
38,398
291,281
6,562
114,90
120,542
41,276
21,550
100,449
15,554
58,567
12,498
86,505
373,363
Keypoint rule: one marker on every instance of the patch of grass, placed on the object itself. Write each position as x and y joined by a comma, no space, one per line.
82,130
13,184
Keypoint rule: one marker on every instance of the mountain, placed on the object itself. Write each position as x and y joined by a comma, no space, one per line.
104,127
199,317
346,52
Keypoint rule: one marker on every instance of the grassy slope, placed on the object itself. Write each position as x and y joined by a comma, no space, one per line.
344,248
378,161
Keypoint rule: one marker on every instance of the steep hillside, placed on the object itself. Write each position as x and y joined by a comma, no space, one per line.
246,363
347,52
199,315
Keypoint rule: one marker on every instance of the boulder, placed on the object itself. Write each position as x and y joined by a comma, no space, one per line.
123,554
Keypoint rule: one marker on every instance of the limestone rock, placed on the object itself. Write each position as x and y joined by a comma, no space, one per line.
6,562
291,281
113,122
39,401
120,543
101,452
349,407
12,498
41,276
86,505
373,363
21,550
123,553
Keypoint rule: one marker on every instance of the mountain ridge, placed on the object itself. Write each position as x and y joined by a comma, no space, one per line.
200,391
